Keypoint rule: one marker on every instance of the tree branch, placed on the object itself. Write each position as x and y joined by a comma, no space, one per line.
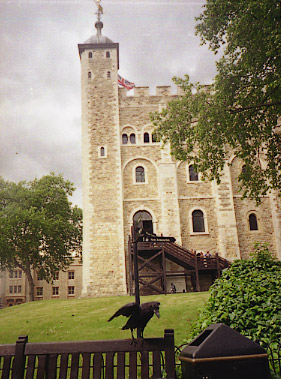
241,109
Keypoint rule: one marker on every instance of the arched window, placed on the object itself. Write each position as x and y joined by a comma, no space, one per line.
198,225
253,222
89,75
108,74
107,54
143,222
102,152
124,139
133,138
90,54
140,176
154,137
193,175
146,138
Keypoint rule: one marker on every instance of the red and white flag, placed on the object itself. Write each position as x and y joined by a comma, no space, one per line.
125,83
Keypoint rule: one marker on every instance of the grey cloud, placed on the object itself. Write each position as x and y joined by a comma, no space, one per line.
40,72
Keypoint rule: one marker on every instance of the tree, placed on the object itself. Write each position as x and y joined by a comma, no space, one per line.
239,111
39,228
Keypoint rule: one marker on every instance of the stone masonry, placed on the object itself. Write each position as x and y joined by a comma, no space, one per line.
117,138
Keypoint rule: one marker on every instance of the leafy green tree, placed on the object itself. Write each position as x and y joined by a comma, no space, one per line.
39,228
247,298
239,111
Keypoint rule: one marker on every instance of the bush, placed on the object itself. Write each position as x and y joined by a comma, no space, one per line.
247,298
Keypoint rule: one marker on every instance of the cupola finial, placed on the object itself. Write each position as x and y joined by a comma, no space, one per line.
99,24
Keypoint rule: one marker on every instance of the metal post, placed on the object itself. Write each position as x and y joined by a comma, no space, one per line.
136,269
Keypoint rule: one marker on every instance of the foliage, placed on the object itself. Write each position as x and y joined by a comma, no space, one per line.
239,110
39,228
247,298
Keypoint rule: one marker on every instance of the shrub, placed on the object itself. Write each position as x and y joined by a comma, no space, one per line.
247,298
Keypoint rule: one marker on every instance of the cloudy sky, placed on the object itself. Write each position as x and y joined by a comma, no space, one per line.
40,109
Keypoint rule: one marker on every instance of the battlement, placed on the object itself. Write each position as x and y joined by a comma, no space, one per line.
165,91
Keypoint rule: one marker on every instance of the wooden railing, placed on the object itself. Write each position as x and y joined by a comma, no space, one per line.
185,257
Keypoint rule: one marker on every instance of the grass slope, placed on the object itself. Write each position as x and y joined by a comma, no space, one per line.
86,319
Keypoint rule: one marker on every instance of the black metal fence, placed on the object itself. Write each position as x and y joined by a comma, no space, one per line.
274,357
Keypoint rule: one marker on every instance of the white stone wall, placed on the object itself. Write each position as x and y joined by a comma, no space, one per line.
112,196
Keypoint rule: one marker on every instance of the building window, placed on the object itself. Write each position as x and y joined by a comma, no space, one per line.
89,75
11,274
70,274
71,290
39,276
132,138
253,222
108,74
19,289
90,54
55,291
140,176
15,289
193,175
124,139
198,225
107,54
56,276
146,138
20,274
154,137
102,152
39,291
11,289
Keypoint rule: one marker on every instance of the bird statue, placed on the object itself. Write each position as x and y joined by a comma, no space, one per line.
139,315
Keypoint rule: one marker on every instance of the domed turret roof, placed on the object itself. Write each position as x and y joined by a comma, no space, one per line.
98,38
95,40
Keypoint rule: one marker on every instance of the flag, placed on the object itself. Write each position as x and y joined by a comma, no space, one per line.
125,83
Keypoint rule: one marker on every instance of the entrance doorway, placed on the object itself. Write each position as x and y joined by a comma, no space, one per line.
143,220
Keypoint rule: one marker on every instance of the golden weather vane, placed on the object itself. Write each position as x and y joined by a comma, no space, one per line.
100,8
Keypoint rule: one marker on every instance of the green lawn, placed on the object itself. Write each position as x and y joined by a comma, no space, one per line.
86,319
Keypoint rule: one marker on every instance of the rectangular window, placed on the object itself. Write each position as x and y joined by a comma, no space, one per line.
56,276
15,289
20,274
11,289
19,289
11,274
16,274
39,276
70,274
55,291
39,291
70,290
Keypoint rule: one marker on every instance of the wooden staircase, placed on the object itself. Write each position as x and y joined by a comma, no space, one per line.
153,251
184,257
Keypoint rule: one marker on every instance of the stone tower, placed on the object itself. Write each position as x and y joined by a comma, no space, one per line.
103,242
130,178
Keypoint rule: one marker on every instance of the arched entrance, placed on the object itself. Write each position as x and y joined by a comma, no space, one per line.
143,220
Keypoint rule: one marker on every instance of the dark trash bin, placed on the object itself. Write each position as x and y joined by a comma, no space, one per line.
220,352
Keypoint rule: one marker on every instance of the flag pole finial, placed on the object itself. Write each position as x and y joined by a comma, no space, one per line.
100,9
99,24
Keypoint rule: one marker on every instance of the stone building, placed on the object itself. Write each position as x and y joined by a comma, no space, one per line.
129,176
66,285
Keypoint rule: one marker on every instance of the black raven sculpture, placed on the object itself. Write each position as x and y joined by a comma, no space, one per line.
139,315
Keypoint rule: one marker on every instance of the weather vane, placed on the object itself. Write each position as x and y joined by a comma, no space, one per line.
100,9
